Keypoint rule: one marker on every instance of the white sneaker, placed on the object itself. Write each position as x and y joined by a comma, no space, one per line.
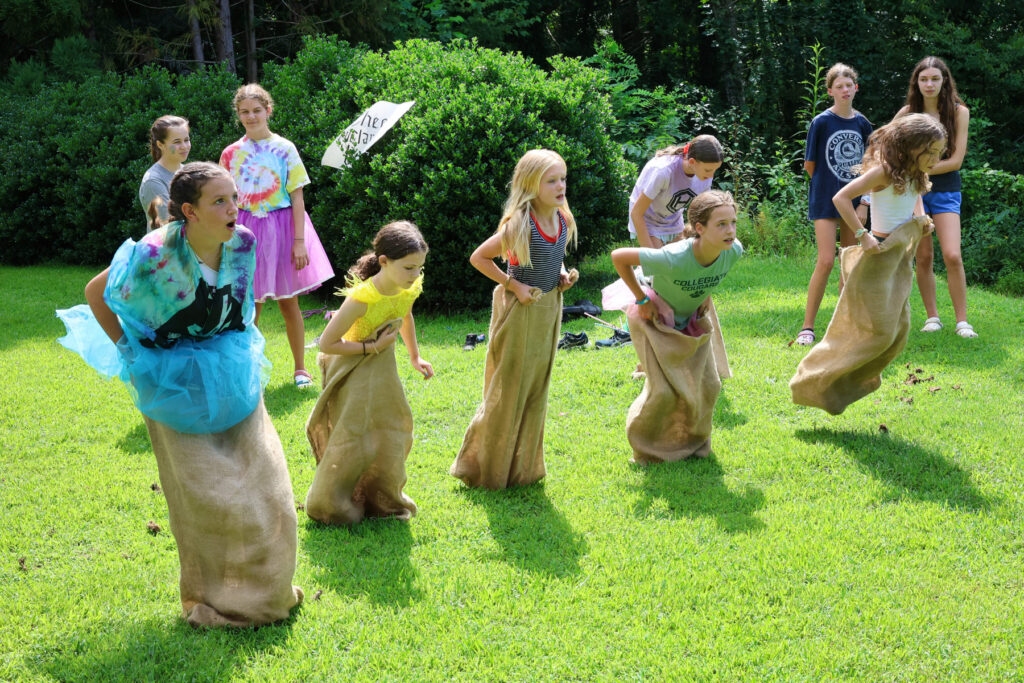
932,325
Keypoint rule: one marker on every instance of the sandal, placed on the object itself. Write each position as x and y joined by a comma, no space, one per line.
806,337
932,325
966,330
302,379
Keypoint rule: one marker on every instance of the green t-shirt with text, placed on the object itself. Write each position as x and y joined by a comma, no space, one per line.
680,280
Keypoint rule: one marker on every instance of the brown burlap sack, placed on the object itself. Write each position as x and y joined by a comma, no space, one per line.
868,329
232,514
671,418
361,433
504,444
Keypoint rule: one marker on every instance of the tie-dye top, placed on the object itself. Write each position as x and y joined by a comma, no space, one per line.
379,307
156,287
265,172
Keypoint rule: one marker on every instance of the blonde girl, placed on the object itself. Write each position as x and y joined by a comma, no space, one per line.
667,184
932,91
361,426
835,145
504,444
169,145
270,176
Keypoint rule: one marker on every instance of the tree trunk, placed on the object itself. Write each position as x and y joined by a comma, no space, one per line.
197,37
250,42
225,43
723,13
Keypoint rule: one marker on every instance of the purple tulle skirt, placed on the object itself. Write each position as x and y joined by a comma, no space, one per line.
276,276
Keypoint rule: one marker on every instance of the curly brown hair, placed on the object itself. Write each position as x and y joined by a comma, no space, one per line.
897,146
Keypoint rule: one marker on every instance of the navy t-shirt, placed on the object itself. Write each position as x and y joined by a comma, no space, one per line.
835,145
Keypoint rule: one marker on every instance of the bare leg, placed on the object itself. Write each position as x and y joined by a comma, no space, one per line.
947,228
259,309
925,277
295,329
825,236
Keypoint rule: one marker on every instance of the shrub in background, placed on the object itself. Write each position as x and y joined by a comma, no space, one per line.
992,241
447,164
72,157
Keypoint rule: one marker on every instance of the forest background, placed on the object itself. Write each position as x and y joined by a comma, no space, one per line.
606,83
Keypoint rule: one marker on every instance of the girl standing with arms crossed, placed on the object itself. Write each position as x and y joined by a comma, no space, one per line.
835,144
270,176
504,444
173,317
933,92
669,181
361,426
872,319
169,145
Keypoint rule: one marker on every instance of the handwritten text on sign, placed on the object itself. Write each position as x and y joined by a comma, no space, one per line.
368,128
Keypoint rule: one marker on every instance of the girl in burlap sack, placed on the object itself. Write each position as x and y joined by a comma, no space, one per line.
872,318
504,444
673,331
173,318
361,426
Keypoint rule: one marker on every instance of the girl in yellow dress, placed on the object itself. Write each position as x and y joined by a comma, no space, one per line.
361,426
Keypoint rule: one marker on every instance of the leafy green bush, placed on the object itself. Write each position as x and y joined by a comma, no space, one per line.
447,164
72,157
992,242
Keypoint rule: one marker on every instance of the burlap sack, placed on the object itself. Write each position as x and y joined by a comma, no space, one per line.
232,514
504,444
671,418
868,329
361,433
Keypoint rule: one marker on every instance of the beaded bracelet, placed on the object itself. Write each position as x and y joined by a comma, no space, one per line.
645,300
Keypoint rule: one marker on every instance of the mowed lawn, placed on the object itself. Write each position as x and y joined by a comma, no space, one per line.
806,547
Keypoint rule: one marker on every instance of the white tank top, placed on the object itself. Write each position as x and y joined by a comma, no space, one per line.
890,210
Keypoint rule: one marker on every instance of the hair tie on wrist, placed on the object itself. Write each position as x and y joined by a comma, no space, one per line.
645,300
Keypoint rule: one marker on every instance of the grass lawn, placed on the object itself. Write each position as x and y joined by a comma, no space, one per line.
806,547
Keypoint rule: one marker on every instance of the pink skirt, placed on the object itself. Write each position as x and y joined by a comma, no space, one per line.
276,276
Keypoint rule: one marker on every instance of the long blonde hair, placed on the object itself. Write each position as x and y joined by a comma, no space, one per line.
514,227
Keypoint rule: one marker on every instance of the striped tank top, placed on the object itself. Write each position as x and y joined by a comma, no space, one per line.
546,256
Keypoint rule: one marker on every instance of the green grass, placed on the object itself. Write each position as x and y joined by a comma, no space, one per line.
806,547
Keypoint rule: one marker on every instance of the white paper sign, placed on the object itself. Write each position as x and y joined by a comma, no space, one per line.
367,129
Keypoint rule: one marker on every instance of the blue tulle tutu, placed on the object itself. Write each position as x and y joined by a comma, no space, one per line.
196,386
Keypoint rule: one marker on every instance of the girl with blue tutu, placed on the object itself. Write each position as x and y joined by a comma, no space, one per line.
270,176
173,318
361,427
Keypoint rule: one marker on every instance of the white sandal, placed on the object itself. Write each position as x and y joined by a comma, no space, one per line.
805,338
932,325
966,330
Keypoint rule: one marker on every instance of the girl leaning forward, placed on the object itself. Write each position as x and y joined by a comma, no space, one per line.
504,444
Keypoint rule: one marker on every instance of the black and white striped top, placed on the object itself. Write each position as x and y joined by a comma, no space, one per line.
546,258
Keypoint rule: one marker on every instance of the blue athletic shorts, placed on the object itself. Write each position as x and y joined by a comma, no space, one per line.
941,202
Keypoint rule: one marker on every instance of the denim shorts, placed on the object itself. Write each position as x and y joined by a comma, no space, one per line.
941,202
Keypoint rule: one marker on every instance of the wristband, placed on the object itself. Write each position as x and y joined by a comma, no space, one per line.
364,348
860,231
645,300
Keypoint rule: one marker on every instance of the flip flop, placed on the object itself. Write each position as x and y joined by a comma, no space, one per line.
302,379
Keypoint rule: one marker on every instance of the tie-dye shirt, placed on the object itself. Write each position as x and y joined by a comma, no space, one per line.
156,288
265,172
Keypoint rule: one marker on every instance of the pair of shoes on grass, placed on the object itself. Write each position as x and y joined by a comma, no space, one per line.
472,340
963,328
573,341
618,338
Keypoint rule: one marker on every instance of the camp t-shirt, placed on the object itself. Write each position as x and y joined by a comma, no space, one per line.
670,191
680,280
836,146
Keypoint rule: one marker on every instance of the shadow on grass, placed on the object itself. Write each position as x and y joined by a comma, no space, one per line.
696,488
285,399
370,559
136,440
920,473
725,417
158,650
530,531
